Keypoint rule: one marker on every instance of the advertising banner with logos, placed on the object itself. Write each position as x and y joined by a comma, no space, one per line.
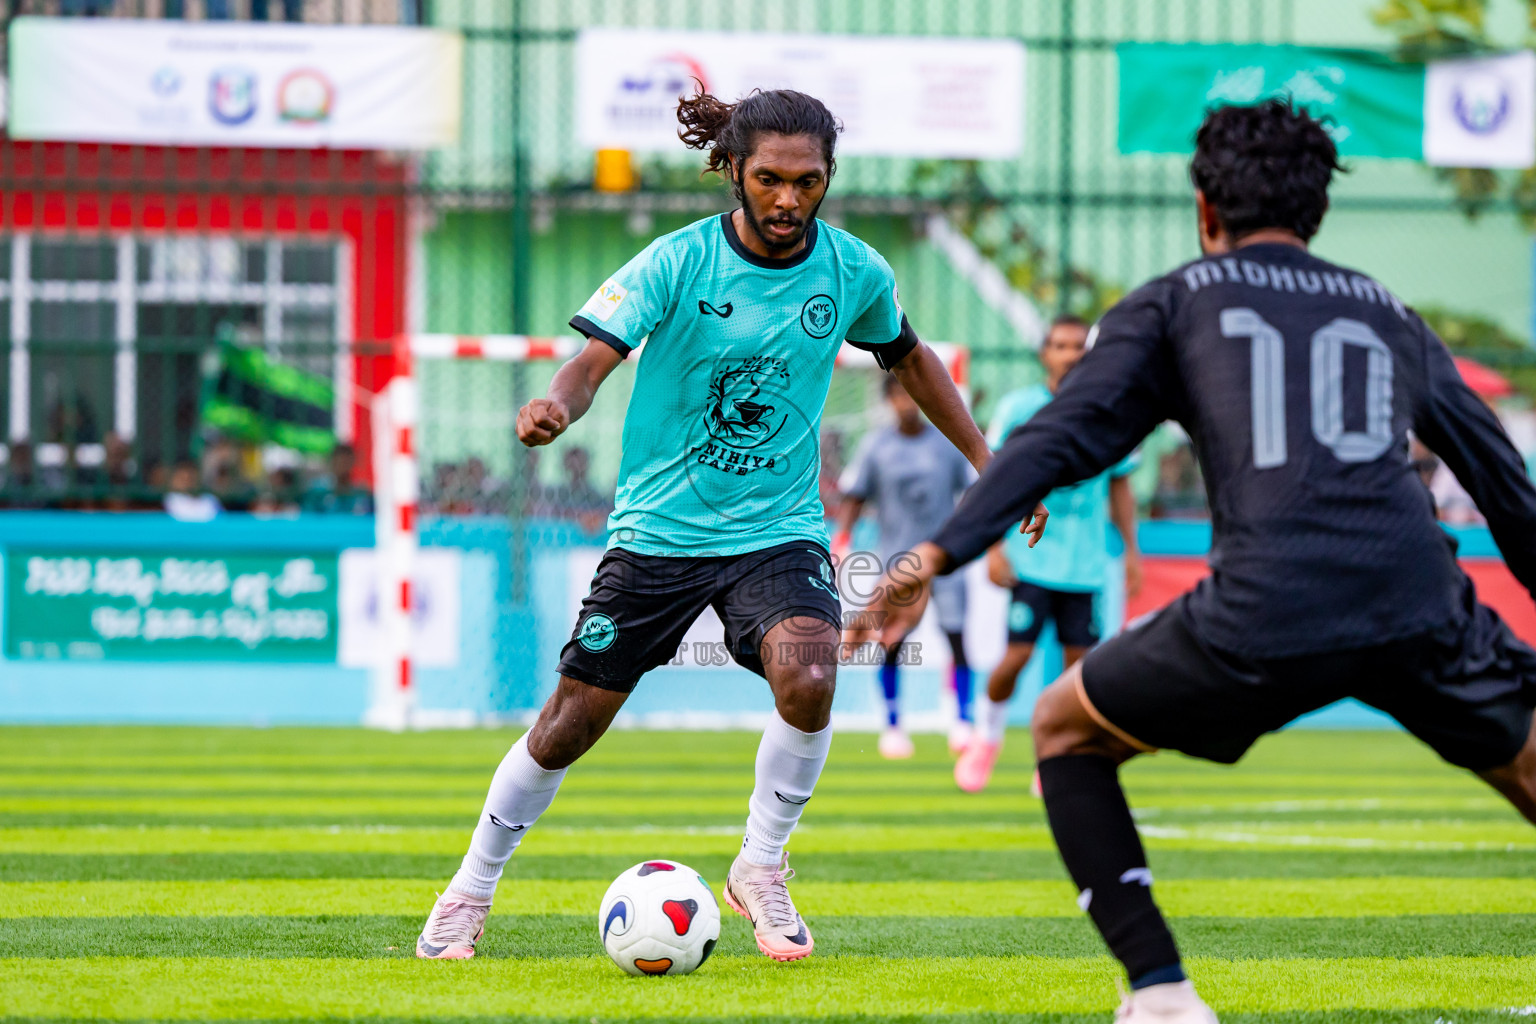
1476,112
435,608
171,82
896,95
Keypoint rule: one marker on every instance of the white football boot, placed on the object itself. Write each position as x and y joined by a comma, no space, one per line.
760,895
1172,1003
452,929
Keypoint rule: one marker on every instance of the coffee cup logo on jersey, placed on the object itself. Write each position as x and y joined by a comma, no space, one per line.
740,415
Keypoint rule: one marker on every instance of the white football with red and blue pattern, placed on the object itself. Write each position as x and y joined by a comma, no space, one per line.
659,917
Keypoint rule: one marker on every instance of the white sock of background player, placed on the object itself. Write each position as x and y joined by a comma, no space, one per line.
520,792
992,716
788,764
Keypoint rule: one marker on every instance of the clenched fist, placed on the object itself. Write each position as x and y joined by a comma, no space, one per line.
541,421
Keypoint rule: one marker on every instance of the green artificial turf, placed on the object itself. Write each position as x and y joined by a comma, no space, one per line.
254,875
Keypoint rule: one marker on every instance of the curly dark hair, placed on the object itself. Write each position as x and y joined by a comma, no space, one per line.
1265,166
731,129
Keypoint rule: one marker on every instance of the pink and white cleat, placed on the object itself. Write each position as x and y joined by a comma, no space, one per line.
1172,1003
974,769
760,895
454,926
895,744
960,735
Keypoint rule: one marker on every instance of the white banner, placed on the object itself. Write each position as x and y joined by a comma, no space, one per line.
435,609
896,95
174,82
1481,112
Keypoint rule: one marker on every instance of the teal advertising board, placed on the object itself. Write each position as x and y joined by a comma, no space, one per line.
1375,105
84,605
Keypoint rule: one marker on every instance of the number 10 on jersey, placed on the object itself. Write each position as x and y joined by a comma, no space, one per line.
1327,375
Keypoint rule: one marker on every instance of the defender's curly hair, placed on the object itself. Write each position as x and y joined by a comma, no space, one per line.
731,129
1265,166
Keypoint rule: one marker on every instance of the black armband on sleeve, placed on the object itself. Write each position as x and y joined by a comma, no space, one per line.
586,327
892,352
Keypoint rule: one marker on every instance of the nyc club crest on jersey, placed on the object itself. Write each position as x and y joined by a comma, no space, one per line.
819,316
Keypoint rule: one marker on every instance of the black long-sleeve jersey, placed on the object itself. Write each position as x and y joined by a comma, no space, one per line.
1298,382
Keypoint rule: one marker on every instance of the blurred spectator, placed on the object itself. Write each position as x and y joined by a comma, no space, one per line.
112,478
221,471
86,8
23,487
1180,492
281,495
576,498
187,500
533,487
338,492
117,465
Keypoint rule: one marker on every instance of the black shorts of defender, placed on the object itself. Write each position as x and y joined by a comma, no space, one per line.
1072,611
640,606
1466,690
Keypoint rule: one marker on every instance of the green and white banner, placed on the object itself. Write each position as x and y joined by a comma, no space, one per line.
232,83
1478,112
84,605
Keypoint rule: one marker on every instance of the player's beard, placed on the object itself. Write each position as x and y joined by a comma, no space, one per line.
759,227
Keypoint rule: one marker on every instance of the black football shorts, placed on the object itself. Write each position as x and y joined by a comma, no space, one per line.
1032,606
1466,690
640,606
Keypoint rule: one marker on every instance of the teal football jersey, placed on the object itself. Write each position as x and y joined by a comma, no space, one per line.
721,439
1073,553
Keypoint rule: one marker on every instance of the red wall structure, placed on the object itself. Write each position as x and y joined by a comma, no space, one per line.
1167,576
85,189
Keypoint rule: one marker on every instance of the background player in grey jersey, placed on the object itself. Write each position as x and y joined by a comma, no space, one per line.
914,476
1298,382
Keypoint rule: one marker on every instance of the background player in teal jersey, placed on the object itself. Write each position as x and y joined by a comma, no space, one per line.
1059,580
717,504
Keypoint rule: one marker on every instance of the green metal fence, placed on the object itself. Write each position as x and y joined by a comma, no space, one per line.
106,369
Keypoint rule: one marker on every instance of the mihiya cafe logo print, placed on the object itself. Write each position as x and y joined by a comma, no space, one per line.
750,426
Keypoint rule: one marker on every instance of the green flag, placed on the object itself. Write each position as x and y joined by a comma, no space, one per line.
251,398
1376,105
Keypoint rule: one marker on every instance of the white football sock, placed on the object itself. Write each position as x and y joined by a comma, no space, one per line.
993,719
788,764
520,792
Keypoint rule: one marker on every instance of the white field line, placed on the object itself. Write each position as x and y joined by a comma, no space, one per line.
1261,838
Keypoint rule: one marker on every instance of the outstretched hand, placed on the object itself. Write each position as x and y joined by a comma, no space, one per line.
899,598
541,421
1034,526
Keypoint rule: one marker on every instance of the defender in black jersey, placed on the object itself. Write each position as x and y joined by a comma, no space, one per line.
1298,382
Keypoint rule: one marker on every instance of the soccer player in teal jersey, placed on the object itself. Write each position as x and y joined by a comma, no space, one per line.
717,506
1059,580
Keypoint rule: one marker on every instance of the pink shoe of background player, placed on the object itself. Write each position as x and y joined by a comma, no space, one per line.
974,769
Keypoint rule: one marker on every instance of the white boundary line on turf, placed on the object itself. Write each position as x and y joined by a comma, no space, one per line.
1337,842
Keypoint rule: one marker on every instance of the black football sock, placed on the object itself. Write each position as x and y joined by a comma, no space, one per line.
1098,842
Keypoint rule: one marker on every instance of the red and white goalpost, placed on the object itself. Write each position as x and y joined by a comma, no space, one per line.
397,484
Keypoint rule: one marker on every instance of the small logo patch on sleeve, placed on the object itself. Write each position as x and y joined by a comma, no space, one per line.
606,300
